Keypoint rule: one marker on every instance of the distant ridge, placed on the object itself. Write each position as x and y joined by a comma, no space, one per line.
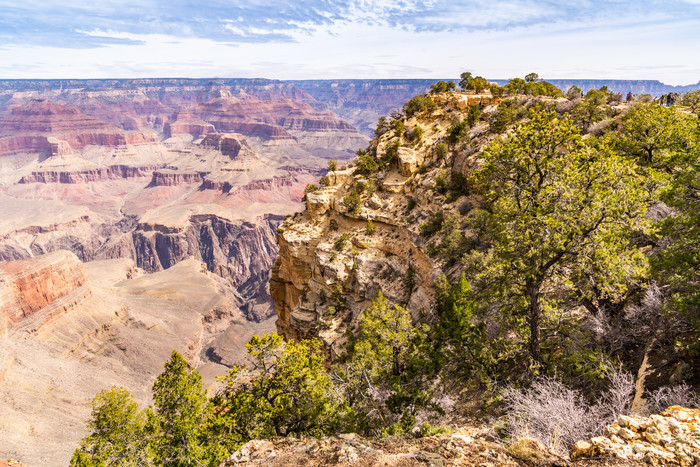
653,87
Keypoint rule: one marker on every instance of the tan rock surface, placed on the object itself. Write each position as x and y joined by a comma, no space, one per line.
671,438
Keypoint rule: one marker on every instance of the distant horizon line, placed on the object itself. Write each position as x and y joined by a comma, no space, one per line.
336,79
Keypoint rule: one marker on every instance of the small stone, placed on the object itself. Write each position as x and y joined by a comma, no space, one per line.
627,434
582,449
652,435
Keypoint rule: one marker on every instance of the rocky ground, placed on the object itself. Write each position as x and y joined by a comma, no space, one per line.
671,438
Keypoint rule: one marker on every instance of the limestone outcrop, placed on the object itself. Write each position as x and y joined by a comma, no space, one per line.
113,172
463,448
670,438
331,263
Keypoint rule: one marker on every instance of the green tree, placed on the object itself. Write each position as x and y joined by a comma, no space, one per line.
473,115
652,133
419,104
692,100
385,379
465,78
557,210
118,432
462,348
442,86
532,77
678,265
352,201
282,391
382,126
332,165
365,164
182,412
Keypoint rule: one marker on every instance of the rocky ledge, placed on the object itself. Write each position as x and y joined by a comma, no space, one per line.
461,448
671,438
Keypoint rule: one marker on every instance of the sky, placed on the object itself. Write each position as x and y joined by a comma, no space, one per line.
329,39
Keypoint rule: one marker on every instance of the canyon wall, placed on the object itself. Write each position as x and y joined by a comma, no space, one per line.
26,287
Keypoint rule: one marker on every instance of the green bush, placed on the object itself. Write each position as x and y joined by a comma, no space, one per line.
365,165
419,104
417,134
391,153
458,131
399,127
432,225
441,151
440,183
352,201
369,228
342,241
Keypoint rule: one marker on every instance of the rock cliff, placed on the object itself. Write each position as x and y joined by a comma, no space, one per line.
331,264
27,287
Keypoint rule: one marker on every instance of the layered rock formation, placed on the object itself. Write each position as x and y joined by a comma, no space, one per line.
177,234
31,127
671,438
26,287
330,265
73,330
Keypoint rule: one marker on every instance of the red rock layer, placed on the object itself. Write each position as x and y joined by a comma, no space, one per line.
28,128
187,122
112,172
268,119
44,116
28,286
229,145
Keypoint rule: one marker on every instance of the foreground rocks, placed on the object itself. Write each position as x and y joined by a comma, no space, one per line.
671,438
464,448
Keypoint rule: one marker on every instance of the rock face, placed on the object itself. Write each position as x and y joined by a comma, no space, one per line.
464,448
112,172
39,125
170,192
240,252
229,144
187,122
331,265
671,438
27,287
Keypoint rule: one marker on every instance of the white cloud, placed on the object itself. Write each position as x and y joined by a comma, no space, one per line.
385,39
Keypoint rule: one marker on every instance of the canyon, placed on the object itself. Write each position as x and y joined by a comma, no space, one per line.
142,216
136,218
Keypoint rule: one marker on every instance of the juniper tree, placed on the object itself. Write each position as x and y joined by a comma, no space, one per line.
557,216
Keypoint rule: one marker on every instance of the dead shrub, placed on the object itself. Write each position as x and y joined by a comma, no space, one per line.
557,417
681,394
